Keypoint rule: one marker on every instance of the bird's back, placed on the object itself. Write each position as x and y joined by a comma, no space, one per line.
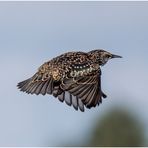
71,64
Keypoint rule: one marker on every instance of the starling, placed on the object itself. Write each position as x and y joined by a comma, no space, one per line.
73,77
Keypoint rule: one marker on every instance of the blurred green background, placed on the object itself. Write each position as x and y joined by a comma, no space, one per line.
118,127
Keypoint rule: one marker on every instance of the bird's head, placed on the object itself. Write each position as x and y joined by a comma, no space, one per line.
102,56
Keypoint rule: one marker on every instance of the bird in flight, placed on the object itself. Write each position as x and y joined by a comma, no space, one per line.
73,77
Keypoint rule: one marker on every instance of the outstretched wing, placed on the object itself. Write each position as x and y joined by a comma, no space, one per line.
37,85
87,89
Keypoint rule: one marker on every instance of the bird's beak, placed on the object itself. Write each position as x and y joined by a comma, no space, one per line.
115,56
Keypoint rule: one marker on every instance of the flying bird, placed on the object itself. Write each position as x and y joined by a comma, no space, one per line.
73,77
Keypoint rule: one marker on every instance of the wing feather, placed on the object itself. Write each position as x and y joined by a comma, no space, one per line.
44,88
88,95
23,85
83,95
50,87
87,89
81,105
37,87
93,97
38,90
61,97
81,87
75,102
28,88
32,90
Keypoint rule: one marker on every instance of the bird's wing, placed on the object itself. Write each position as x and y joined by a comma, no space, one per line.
41,83
71,100
37,84
87,89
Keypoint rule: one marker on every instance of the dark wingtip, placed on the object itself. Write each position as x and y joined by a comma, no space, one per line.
82,110
22,85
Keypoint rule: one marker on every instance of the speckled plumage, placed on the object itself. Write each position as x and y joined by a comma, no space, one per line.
73,77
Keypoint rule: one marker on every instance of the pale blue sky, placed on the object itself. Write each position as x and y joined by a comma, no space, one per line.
34,32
